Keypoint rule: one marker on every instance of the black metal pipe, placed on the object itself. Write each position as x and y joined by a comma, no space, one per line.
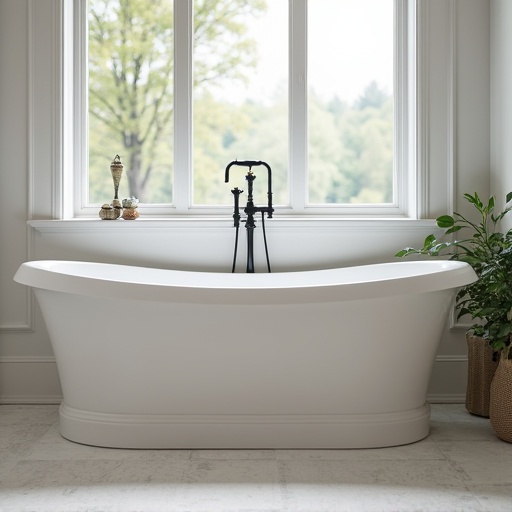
236,212
250,164
250,209
250,248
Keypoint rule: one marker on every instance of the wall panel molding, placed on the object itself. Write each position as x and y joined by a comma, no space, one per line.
18,249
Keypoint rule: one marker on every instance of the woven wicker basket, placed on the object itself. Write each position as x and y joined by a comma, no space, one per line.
481,370
501,400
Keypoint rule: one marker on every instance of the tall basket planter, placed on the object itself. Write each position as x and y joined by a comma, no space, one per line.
481,369
500,409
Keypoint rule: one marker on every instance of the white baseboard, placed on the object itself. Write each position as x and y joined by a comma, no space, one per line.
29,380
57,399
30,400
439,398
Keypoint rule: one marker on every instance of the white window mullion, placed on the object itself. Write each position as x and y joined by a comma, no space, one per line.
80,109
405,179
420,139
183,47
297,170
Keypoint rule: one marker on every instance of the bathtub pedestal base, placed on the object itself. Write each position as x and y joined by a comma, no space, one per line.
169,431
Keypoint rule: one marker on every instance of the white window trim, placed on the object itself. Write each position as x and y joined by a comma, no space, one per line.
428,189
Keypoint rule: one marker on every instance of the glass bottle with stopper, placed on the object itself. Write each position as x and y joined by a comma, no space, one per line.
113,211
116,168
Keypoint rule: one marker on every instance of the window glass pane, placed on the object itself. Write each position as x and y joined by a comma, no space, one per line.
131,98
350,111
240,97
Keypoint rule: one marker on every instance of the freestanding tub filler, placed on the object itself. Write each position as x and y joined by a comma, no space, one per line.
152,358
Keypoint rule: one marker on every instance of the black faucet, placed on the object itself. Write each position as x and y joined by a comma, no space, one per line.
250,209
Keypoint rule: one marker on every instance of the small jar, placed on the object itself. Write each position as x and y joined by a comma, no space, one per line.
130,202
108,212
130,213
130,208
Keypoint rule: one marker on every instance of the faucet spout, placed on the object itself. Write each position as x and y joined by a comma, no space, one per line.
254,163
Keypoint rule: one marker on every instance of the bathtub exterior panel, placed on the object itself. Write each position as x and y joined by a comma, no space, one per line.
329,372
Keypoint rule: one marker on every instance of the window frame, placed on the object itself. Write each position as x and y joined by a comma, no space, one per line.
406,172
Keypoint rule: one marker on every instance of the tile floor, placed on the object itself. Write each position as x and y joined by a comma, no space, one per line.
461,466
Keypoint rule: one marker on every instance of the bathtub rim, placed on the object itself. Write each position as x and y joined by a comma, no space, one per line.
182,286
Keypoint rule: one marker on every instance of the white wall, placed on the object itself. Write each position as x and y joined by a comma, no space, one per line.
27,368
501,100
457,91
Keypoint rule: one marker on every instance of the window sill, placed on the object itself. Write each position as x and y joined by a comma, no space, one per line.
211,222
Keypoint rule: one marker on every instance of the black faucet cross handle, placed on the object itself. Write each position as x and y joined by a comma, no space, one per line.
236,214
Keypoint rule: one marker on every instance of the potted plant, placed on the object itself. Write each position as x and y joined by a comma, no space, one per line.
488,301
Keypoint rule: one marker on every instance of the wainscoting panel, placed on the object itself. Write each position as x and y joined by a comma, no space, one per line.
29,380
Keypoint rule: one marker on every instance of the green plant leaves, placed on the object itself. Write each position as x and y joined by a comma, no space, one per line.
475,200
488,301
454,229
429,240
445,221
406,252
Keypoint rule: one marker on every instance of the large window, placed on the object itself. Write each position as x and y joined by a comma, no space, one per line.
350,102
179,89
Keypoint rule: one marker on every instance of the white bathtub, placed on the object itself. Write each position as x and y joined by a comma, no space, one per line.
152,358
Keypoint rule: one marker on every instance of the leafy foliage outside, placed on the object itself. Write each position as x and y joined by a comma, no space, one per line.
489,252
131,111
130,82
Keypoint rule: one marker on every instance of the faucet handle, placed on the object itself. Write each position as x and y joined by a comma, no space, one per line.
236,213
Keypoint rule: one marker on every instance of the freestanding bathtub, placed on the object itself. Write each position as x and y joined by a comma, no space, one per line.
152,358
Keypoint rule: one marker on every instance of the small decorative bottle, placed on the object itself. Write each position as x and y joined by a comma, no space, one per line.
130,208
113,211
116,169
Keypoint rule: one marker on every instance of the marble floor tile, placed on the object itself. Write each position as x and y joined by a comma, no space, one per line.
375,485
234,454
486,462
472,428
17,439
52,446
229,485
493,498
459,413
425,449
461,466
85,484
7,462
15,443
41,414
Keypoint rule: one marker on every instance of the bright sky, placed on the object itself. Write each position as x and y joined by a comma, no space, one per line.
350,44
